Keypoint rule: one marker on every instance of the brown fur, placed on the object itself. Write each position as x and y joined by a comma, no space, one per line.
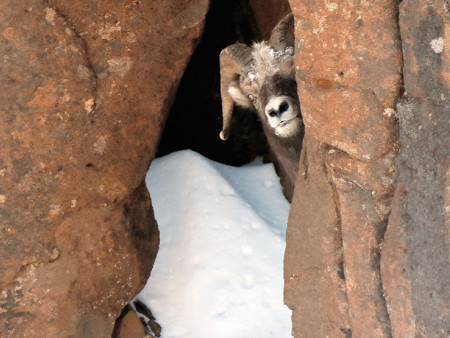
266,73
272,72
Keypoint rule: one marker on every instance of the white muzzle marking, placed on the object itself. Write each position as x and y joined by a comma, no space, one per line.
283,115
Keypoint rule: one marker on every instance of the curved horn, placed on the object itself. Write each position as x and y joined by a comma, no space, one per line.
282,35
233,63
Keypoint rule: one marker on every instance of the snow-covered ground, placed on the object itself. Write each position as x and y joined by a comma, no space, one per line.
219,270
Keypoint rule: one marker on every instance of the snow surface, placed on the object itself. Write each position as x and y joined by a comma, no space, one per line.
219,270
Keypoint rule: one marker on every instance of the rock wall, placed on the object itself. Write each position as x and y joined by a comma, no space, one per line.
374,158
84,92
415,255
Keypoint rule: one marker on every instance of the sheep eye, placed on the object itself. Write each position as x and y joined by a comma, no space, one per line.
252,98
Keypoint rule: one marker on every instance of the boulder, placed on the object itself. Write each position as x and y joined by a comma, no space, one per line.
415,255
84,92
348,63
372,196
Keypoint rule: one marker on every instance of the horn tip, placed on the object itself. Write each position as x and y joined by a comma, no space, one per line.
224,136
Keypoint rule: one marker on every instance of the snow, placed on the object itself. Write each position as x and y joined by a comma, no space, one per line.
219,270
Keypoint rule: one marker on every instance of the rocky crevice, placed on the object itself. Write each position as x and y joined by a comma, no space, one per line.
361,238
341,261
86,54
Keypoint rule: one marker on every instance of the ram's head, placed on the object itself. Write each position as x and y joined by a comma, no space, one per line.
262,77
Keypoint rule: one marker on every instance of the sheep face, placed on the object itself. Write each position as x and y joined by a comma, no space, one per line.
278,105
262,77
270,88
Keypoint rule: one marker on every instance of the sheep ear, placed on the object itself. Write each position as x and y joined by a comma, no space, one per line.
283,34
234,60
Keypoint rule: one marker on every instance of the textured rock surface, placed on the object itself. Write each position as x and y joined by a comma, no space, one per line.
84,88
349,75
314,276
416,267
372,196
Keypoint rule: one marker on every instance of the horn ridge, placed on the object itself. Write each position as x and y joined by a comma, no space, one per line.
239,52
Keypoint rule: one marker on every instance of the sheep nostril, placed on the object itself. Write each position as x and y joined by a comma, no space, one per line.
283,107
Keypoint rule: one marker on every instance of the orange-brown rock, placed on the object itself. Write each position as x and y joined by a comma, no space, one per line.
349,74
84,91
313,263
387,191
348,59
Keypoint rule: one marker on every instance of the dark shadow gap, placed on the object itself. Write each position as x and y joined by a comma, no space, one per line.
194,121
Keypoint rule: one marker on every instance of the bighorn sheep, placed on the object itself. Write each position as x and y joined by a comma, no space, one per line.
262,78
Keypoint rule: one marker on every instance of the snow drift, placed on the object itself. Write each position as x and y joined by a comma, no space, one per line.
219,270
